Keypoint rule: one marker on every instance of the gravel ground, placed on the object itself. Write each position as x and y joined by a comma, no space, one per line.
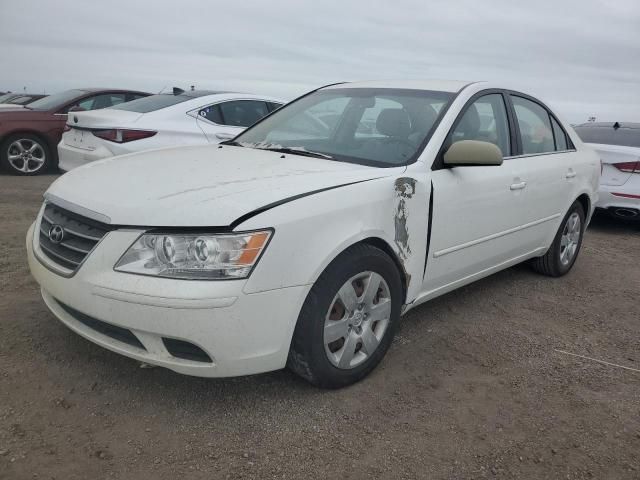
473,387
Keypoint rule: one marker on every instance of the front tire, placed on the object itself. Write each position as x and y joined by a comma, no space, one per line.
25,154
566,245
348,319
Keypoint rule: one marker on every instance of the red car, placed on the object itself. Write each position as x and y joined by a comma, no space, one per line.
29,135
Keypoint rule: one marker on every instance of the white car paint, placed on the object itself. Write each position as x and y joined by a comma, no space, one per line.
178,124
619,190
483,219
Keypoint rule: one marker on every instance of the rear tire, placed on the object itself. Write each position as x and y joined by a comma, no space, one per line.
338,342
25,154
566,245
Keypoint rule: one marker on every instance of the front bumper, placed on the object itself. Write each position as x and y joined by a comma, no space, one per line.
241,333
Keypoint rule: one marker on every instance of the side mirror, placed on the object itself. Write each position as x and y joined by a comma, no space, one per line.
473,153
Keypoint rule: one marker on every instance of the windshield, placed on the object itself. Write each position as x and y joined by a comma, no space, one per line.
152,103
627,137
53,102
371,126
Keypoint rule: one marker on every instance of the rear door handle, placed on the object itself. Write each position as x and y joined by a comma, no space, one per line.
570,174
518,186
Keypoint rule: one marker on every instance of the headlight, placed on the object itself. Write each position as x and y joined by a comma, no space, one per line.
195,256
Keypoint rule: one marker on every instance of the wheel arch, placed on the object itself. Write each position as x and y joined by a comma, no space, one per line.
382,244
585,201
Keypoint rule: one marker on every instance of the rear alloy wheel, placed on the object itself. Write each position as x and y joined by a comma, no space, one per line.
25,155
566,245
348,319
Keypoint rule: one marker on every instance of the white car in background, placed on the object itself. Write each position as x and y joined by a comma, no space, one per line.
303,240
618,145
163,120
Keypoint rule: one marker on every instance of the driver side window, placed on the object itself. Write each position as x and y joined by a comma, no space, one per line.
485,120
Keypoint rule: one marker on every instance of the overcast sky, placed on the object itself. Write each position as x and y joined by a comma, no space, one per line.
580,56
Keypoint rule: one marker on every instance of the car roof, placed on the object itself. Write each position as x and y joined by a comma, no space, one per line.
435,85
94,90
610,124
198,93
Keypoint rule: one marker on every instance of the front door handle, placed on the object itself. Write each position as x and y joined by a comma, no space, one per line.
518,186
571,173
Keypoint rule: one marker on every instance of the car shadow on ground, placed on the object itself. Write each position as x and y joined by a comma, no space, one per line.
603,222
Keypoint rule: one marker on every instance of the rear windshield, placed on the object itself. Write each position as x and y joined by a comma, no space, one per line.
626,137
152,103
6,96
56,100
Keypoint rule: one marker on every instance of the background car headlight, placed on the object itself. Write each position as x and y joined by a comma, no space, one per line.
195,256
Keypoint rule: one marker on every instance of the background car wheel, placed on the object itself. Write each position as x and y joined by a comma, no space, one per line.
25,154
566,245
348,319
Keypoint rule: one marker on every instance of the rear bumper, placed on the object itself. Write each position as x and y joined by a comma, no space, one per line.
71,157
628,195
139,316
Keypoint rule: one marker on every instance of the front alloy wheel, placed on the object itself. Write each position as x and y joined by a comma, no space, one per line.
357,320
348,319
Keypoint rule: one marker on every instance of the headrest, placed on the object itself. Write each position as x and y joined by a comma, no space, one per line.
470,123
394,122
422,117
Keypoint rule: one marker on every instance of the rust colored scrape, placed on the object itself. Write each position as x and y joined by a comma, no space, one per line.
405,189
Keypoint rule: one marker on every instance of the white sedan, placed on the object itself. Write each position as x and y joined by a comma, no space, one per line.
618,145
303,241
181,118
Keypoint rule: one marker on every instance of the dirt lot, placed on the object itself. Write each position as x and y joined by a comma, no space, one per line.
472,387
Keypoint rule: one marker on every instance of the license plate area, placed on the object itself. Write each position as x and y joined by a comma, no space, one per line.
83,139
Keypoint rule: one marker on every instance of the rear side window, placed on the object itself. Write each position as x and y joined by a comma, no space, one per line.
211,113
535,126
108,100
135,96
485,120
607,135
559,136
242,113
152,103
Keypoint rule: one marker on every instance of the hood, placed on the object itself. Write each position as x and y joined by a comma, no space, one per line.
197,186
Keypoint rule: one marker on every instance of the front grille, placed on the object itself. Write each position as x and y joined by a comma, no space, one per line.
113,331
80,235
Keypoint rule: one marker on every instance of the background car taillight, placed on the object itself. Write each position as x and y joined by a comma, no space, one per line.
123,136
628,167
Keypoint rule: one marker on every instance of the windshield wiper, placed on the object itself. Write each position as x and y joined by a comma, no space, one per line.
233,143
297,151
